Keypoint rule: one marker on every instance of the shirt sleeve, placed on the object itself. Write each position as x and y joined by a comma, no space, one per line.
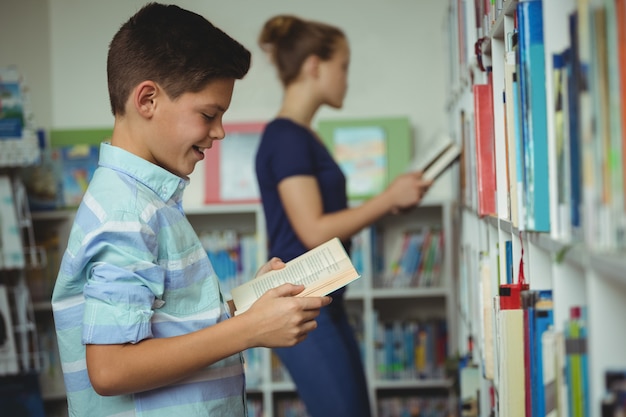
122,283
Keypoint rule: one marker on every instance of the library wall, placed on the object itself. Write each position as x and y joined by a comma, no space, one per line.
62,53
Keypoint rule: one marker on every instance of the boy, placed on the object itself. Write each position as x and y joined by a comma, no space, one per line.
141,325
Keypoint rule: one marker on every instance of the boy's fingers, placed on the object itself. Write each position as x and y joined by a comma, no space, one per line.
276,263
287,290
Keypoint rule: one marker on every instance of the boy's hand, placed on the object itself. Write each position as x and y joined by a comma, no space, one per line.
282,320
272,264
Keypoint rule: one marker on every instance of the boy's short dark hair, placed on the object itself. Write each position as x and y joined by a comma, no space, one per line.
178,49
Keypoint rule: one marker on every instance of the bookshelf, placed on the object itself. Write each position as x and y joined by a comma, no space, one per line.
269,386
559,205
21,359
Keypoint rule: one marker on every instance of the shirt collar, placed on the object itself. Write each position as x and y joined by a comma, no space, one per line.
165,184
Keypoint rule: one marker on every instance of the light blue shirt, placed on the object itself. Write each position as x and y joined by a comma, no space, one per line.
135,269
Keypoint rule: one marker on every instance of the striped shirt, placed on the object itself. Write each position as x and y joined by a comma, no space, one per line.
135,269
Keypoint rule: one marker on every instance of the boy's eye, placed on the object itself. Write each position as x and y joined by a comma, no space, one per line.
208,117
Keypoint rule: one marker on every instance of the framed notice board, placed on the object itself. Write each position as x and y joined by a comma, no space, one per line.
371,152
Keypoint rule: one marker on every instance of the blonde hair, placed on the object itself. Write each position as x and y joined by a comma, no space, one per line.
289,40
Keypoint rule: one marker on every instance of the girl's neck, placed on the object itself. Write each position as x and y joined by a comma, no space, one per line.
298,106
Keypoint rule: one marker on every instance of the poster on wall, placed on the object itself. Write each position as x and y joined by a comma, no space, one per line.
361,153
371,151
229,168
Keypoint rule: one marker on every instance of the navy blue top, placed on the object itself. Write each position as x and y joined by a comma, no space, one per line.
287,149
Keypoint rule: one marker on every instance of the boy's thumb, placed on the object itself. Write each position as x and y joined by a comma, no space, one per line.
287,290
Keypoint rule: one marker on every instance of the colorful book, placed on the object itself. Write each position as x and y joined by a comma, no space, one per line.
508,251
529,337
509,103
11,245
576,362
555,389
78,164
543,319
511,400
573,104
615,128
520,173
562,228
532,81
485,149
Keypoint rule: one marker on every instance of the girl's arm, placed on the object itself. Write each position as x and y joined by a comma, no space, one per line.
302,200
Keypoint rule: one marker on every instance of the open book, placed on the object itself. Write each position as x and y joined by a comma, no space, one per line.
440,162
321,270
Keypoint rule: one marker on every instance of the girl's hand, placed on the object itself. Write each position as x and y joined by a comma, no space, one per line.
407,190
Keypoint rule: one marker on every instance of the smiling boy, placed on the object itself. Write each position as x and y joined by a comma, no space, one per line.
141,324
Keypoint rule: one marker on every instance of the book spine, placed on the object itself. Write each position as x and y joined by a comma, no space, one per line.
485,152
534,113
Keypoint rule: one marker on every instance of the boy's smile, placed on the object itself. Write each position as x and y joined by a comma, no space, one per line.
181,130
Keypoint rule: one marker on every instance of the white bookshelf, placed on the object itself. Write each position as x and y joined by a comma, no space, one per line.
577,272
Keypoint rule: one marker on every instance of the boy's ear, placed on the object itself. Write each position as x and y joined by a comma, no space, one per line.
144,96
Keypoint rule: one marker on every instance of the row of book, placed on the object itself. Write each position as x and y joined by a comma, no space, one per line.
580,116
409,406
410,349
393,406
255,407
525,131
589,105
417,261
18,334
285,407
536,370
19,142
11,246
290,407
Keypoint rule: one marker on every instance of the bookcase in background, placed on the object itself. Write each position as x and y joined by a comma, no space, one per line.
52,230
372,305
558,147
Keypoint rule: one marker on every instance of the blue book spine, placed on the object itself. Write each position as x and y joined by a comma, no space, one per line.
532,79
573,103
543,320
584,361
509,261
389,351
519,156
410,333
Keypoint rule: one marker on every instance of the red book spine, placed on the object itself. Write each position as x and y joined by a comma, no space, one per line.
485,149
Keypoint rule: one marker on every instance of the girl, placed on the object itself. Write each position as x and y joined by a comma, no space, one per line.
305,203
